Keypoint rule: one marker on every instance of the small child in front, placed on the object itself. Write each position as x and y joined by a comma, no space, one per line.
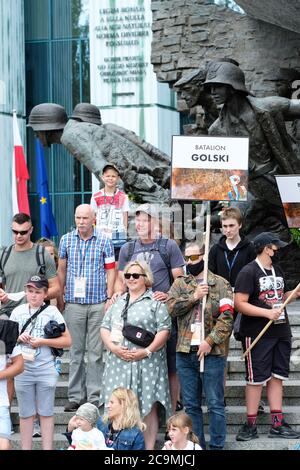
85,436
181,435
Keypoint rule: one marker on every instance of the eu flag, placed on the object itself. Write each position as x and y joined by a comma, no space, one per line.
48,225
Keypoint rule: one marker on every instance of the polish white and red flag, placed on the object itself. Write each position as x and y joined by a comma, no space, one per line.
20,174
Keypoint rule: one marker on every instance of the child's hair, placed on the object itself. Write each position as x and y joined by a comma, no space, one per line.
47,242
232,213
181,420
130,409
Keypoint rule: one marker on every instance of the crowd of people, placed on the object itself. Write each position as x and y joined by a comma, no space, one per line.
139,317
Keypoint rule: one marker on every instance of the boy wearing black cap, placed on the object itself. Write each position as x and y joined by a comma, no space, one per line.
259,295
111,207
35,387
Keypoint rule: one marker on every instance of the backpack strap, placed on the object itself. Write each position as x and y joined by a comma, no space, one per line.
33,317
40,258
131,248
4,257
162,249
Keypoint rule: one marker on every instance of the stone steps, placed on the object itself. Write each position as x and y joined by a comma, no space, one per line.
235,400
262,443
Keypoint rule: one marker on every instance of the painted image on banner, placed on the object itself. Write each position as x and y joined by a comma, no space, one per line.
209,185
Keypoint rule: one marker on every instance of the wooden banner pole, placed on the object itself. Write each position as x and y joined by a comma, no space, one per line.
207,239
270,322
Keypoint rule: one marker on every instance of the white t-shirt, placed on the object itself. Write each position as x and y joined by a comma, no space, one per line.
190,446
43,357
110,213
4,359
88,440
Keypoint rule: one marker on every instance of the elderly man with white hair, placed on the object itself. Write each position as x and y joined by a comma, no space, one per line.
86,269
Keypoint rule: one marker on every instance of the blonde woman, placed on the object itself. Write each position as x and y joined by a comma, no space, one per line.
122,427
142,369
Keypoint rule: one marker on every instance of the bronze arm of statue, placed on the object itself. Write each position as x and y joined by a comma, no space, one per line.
145,169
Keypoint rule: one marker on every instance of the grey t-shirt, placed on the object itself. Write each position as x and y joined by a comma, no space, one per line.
148,252
20,266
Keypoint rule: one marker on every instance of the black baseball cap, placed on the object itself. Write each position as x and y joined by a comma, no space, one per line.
111,166
267,238
38,282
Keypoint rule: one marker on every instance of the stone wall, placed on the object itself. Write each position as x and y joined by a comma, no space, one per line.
188,33
283,13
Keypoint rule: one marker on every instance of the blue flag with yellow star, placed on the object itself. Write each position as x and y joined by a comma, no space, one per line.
48,225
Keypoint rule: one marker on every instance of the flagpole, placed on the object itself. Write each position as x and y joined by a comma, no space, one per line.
205,272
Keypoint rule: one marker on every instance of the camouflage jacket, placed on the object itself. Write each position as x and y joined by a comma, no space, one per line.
218,315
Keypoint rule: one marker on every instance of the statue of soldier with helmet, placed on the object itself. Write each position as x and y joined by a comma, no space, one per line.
263,121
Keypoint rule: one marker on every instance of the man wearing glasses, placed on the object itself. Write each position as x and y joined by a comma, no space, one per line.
22,263
185,303
166,265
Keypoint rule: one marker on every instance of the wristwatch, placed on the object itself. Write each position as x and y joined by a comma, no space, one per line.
148,352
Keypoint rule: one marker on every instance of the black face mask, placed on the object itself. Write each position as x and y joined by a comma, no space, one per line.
195,269
275,258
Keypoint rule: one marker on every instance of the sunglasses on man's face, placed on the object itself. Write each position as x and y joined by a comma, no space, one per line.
134,275
20,232
193,257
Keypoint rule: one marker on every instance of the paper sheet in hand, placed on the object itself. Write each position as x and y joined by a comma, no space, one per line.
16,296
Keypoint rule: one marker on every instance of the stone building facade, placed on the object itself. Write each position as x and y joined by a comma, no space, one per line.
188,33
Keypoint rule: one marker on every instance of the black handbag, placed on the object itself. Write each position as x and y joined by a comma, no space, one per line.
135,334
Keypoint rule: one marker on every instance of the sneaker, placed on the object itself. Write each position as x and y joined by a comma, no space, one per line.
179,406
36,429
247,433
261,408
285,431
71,406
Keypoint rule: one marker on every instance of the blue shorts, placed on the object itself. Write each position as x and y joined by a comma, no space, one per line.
35,392
5,423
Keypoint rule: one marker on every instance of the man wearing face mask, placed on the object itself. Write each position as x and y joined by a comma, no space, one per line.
185,303
259,293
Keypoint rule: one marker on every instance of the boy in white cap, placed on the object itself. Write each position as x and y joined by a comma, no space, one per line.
86,436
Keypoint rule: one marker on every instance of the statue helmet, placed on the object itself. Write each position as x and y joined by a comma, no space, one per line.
226,73
47,117
87,112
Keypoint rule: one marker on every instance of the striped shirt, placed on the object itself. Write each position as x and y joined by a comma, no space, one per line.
89,259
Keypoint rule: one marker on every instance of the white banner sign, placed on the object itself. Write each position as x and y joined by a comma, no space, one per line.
289,190
222,153
120,50
210,168
289,187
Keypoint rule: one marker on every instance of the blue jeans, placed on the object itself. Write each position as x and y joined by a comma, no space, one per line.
192,382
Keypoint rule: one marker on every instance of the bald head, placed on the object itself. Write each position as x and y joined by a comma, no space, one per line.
84,219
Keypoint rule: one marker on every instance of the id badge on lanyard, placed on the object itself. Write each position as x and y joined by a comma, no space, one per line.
280,319
116,335
28,353
80,287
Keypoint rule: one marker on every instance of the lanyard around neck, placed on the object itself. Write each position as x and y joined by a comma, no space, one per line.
230,265
273,274
111,202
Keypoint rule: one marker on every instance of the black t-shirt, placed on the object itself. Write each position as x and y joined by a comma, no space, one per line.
260,287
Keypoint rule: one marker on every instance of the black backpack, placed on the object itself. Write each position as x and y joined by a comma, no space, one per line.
161,246
39,254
